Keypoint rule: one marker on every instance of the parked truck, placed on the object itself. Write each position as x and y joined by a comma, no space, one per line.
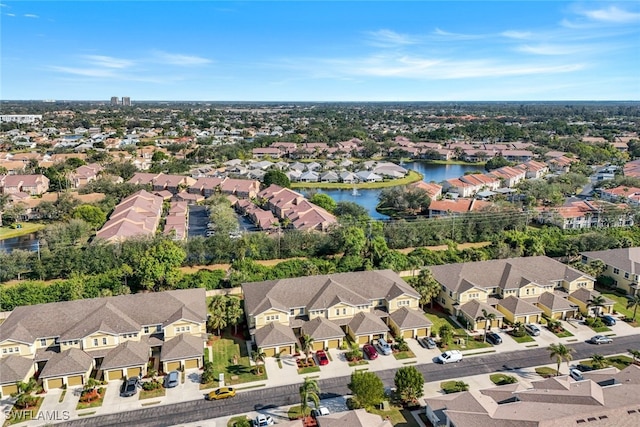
451,356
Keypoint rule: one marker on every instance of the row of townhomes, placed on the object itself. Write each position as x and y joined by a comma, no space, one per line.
364,305
110,338
514,290
604,398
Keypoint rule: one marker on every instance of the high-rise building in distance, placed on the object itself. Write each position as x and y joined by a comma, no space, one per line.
126,101
115,100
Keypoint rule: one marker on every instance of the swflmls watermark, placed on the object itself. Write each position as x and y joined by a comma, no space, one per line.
30,415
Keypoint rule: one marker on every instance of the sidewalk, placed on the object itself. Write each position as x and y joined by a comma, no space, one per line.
287,373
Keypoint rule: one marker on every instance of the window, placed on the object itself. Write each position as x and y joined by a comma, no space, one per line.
344,311
104,341
146,329
337,312
56,341
4,351
75,342
616,271
159,328
626,275
95,342
11,350
43,342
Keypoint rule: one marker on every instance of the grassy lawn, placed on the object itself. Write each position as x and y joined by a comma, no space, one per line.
96,403
620,303
223,350
412,176
404,355
295,412
460,335
601,329
150,394
451,386
563,334
27,228
308,370
358,362
500,379
16,415
232,421
546,371
523,339
619,362
397,416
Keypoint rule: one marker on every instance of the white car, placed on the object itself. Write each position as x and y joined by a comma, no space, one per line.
451,356
384,347
263,420
576,374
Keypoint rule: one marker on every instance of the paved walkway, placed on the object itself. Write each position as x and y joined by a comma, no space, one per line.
287,373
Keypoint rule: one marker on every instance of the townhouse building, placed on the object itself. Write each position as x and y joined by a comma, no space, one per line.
33,185
364,305
135,216
622,265
577,214
514,290
113,338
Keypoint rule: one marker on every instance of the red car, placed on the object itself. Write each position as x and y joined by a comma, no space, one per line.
322,358
370,351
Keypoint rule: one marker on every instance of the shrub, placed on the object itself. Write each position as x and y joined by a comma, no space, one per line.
151,385
25,401
354,354
594,322
208,375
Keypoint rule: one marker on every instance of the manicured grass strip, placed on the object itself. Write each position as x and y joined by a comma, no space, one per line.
453,386
358,362
150,403
86,413
404,355
410,362
223,351
478,352
27,228
295,412
572,340
64,393
563,334
502,379
232,422
150,394
308,370
251,386
601,329
620,304
523,339
16,415
397,416
95,404
545,371
531,345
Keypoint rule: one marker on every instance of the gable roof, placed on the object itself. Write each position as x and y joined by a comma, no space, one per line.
474,308
274,334
129,353
365,323
506,273
183,346
626,259
518,306
14,369
321,328
353,287
407,318
68,362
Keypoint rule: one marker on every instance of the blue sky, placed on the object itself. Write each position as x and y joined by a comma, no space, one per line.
320,50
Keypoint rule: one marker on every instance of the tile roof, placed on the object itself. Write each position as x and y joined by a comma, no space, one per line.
68,362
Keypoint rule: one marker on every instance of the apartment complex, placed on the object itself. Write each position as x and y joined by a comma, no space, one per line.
622,265
114,337
365,305
515,290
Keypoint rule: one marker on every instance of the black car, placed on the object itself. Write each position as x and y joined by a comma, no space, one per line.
584,368
608,320
130,387
493,338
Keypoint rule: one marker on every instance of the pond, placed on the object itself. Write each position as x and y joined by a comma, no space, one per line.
431,172
28,242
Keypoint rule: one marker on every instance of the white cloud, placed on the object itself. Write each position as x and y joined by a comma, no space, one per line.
456,36
389,38
10,14
108,61
517,34
30,15
88,72
180,59
550,49
611,14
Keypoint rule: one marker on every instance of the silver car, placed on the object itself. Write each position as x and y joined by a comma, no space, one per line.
600,339
532,329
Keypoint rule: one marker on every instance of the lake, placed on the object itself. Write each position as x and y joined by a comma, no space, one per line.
28,242
431,172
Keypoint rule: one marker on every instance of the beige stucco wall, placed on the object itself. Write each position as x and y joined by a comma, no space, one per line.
8,348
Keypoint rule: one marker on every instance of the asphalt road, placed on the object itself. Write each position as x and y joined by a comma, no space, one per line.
196,410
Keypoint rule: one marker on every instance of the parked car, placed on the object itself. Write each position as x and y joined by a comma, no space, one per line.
608,320
576,374
584,368
600,339
172,379
427,342
370,351
384,347
320,412
493,338
451,356
322,358
532,329
130,387
262,420
221,393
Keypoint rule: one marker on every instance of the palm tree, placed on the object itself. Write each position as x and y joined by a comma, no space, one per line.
234,312
218,309
634,302
488,318
597,361
258,358
306,344
309,390
561,353
597,302
635,354
427,287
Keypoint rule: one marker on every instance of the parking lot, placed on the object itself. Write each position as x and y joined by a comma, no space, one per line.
199,218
